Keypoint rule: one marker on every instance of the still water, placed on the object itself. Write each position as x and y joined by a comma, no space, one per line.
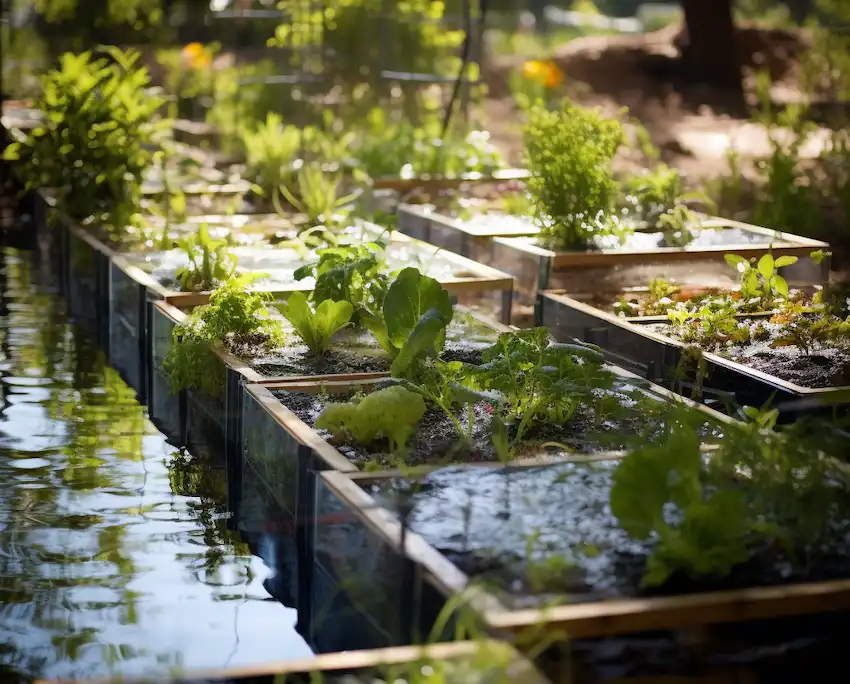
115,557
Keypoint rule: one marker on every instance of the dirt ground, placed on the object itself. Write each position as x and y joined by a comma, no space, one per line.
692,124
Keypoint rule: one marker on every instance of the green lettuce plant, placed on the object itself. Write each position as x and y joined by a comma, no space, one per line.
390,413
316,328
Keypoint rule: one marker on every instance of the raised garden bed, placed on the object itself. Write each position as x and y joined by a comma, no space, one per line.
746,375
208,422
461,662
282,445
511,244
543,548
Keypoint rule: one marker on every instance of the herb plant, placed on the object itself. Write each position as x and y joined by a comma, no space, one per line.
235,316
318,197
316,328
210,261
569,154
765,490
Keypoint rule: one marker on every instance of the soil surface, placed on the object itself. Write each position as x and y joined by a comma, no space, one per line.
490,522
822,367
436,440
356,351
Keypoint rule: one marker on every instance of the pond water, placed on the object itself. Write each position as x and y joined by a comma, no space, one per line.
113,560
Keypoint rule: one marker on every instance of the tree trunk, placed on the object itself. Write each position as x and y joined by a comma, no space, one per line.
711,52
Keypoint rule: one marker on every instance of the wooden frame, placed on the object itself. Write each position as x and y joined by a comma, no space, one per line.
286,453
536,267
578,620
661,358
520,670
481,280
206,423
406,185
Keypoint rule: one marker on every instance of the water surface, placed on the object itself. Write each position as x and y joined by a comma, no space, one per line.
115,554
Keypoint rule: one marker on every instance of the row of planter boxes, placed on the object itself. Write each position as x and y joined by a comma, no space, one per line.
359,576
555,282
319,496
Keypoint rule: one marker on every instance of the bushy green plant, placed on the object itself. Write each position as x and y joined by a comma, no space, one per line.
271,149
318,196
350,273
235,315
390,148
570,154
99,135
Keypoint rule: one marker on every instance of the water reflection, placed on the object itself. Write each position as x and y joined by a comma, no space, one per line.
115,554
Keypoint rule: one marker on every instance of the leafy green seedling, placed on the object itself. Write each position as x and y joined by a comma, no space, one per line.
316,328
761,279
391,413
210,262
318,196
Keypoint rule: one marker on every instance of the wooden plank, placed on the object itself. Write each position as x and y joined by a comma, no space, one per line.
594,618
521,671
823,392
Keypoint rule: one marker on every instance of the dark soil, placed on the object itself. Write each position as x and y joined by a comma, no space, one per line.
823,367
356,351
436,440
490,522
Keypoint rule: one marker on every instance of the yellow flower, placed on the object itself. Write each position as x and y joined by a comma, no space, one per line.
546,73
196,56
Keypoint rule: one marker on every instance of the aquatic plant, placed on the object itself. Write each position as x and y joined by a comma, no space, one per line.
271,150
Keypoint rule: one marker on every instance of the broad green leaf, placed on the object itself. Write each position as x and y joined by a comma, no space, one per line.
766,266
409,297
780,285
421,341
785,261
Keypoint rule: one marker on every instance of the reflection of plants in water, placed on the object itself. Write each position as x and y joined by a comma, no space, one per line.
200,481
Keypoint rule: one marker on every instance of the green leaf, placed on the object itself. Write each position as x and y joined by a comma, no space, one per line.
780,285
736,261
785,261
421,341
316,329
766,266
375,324
409,297
819,255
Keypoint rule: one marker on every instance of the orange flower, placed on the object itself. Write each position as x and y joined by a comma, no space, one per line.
196,56
547,73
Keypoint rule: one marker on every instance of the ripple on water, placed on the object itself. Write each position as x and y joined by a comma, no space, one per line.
105,570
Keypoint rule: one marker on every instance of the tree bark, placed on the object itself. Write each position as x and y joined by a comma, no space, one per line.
711,52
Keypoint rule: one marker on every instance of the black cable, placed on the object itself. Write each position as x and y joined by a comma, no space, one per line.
466,49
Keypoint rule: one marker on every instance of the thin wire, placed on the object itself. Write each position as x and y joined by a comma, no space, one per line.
464,59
